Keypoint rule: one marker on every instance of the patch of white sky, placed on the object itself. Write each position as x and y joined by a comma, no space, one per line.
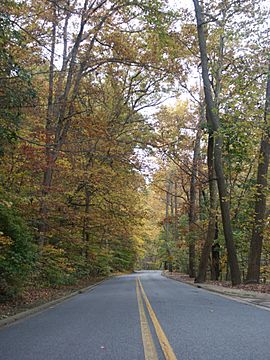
170,99
151,162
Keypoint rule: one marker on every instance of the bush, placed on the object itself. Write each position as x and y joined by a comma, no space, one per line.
123,260
53,267
98,261
18,253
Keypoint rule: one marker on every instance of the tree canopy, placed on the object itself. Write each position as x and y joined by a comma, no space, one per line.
100,172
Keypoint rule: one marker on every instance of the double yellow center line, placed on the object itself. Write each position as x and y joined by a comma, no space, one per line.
150,352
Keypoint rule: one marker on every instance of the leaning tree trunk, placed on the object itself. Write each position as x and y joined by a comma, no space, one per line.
213,194
255,251
214,123
192,201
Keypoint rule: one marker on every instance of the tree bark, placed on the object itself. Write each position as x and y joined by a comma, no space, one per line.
172,195
47,176
213,195
176,230
255,251
167,224
214,123
192,200
85,231
215,265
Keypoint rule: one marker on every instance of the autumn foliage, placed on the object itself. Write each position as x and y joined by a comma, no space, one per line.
91,181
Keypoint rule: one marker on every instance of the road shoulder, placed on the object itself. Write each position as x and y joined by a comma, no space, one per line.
258,299
36,309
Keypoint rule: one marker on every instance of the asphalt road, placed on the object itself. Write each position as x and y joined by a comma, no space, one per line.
106,323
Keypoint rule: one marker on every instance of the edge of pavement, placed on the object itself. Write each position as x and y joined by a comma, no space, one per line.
37,309
260,300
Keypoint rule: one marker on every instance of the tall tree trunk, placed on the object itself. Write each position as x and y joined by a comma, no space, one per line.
59,112
213,194
215,264
85,231
172,206
47,176
255,251
167,224
176,230
214,123
192,200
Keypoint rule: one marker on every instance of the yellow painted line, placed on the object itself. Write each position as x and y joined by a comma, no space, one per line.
164,342
150,352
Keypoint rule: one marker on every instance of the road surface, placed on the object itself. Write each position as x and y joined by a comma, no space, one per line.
142,316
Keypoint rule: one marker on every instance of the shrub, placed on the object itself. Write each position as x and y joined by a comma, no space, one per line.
18,253
54,268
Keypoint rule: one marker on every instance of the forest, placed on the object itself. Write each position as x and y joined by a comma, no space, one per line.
133,134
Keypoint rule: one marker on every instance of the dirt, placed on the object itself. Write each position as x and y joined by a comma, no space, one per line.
259,288
33,297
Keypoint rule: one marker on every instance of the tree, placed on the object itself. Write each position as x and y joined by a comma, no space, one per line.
213,203
214,123
254,261
15,82
93,35
193,197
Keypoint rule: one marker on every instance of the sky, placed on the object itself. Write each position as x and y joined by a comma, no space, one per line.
183,3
